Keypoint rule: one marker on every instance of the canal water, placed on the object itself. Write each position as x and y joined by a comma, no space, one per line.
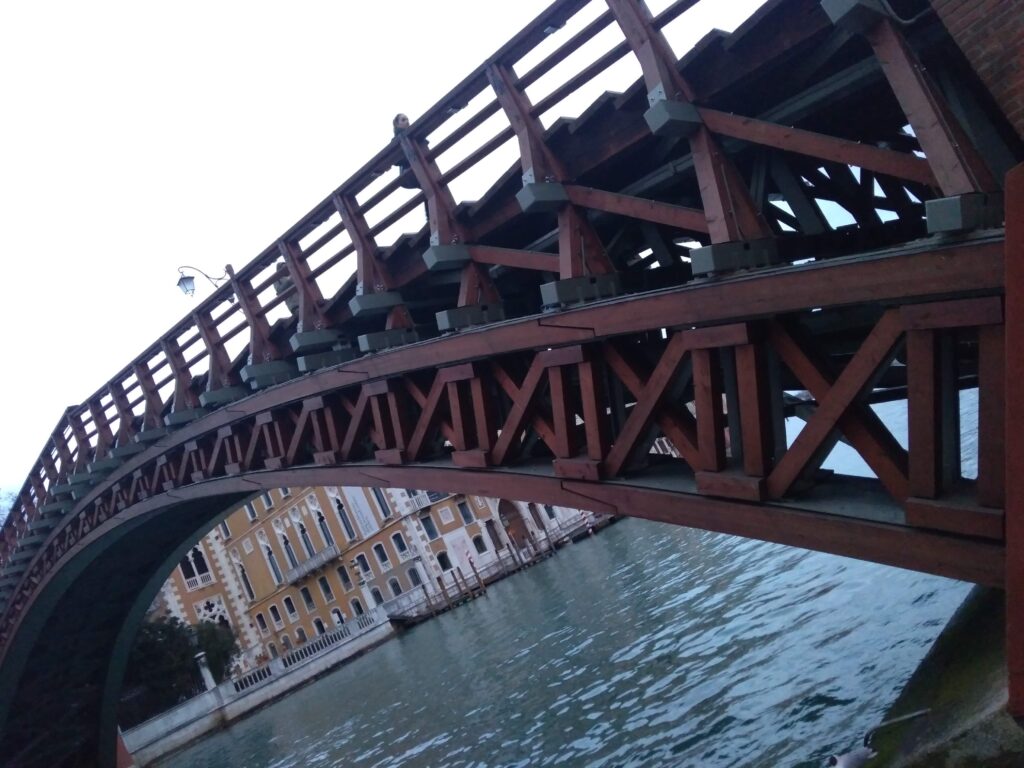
646,645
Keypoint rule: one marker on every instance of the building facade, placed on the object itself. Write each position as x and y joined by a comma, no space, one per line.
291,564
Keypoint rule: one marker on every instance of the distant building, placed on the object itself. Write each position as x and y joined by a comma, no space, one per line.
294,563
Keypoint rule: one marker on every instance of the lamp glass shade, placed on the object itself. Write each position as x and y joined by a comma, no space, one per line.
187,283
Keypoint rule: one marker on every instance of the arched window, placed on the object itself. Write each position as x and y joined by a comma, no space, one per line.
325,588
337,617
300,635
289,553
480,544
307,598
325,530
276,616
286,642
382,555
243,576
346,524
414,576
395,587
307,543
186,568
444,561
318,625
261,622
346,580
199,561
399,541
364,564
357,607
378,598
289,606
275,569
272,649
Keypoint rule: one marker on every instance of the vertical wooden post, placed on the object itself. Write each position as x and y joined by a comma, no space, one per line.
923,407
444,591
1014,413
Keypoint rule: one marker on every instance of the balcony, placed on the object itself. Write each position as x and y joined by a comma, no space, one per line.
317,561
198,582
406,556
423,499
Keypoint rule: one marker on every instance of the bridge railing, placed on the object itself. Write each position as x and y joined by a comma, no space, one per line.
305,275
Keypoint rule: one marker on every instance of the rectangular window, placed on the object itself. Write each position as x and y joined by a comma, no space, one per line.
382,502
224,530
428,527
346,580
550,510
447,517
286,492
250,511
307,598
467,516
325,589
268,502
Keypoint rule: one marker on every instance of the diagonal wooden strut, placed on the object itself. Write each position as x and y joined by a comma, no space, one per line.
838,408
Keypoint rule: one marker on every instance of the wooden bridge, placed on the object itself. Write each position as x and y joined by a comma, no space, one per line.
804,217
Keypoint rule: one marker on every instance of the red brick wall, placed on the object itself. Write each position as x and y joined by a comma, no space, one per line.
991,35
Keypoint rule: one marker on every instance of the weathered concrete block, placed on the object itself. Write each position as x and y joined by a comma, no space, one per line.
57,507
442,257
183,417
673,118
80,478
855,16
370,304
318,360
538,197
61,489
728,257
215,398
105,466
151,435
962,213
396,337
318,340
464,317
580,290
260,375
128,449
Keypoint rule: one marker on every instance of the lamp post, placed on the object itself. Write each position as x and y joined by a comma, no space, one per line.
187,282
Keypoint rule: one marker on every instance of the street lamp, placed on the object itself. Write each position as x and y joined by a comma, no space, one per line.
187,282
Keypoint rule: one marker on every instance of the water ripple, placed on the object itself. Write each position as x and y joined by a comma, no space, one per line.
645,646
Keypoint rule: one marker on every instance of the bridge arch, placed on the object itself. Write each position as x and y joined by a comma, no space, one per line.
561,407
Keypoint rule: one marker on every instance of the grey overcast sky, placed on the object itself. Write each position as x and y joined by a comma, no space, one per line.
140,136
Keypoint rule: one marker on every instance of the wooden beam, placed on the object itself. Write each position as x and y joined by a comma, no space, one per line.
899,165
515,258
689,219
957,165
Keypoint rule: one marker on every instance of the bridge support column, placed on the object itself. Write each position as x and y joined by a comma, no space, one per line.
1014,411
